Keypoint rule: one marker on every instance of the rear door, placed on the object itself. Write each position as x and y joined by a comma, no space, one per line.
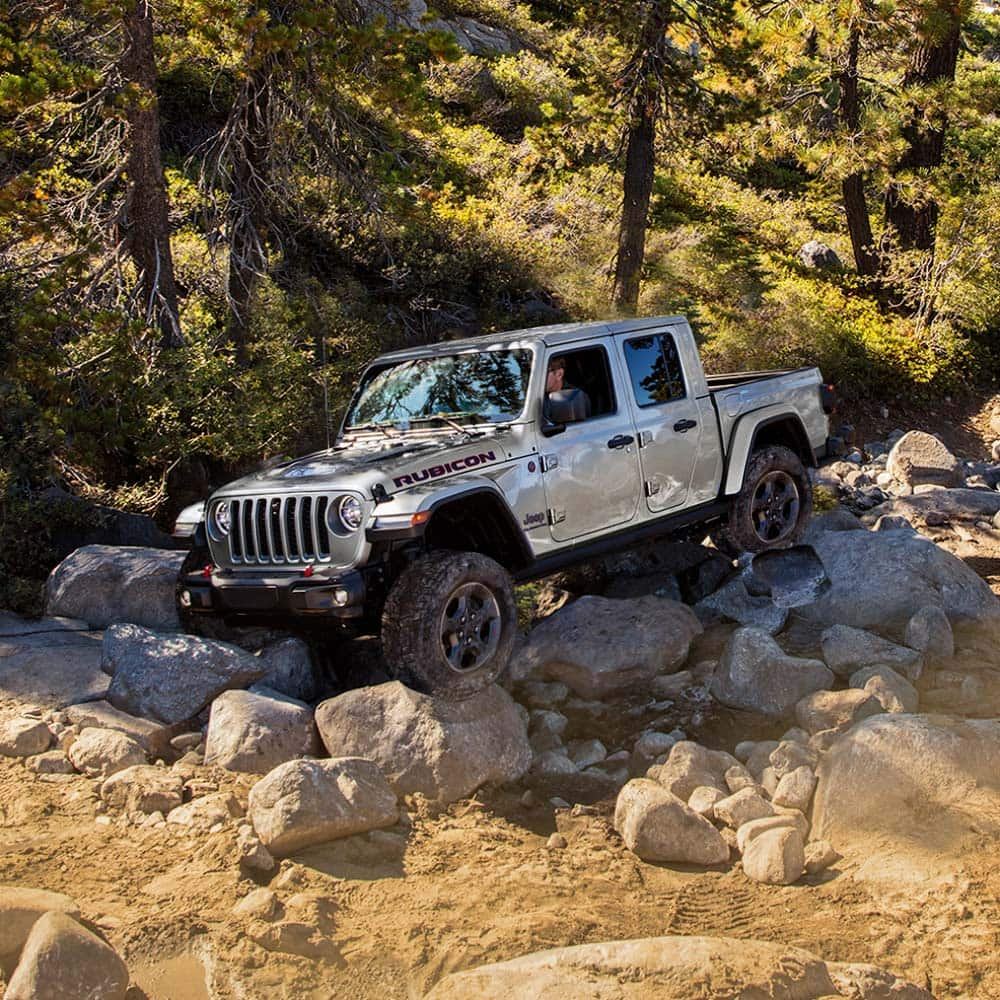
591,469
666,414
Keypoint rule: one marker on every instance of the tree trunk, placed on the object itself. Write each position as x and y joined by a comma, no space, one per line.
853,186
639,168
248,208
911,225
146,220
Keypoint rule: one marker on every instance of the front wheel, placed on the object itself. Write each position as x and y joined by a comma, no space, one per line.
774,506
449,624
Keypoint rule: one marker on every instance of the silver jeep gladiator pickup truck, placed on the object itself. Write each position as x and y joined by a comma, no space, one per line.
463,467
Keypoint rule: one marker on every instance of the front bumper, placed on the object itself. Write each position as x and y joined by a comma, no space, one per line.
229,594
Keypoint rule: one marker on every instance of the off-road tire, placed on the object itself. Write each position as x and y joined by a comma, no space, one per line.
752,525
415,617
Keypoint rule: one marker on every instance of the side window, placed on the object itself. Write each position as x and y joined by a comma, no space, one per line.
583,377
655,369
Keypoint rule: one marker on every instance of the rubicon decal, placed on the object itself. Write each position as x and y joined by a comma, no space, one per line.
436,471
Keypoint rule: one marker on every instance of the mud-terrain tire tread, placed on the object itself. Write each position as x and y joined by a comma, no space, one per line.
413,607
737,535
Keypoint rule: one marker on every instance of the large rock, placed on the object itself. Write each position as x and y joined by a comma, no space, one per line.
20,908
582,643
658,826
775,857
910,784
672,968
143,789
847,649
62,960
171,678
255,731
692,766
839,710
51,669
734,603
21,737
756,675
930,632
444,750
895,693
103,584
305,802
880,579
819,256
153,737
290,669
918,458
99,753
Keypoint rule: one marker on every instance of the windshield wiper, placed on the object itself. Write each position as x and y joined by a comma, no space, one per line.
449,419
385,428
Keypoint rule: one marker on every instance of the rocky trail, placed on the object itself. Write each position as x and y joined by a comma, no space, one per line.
685,789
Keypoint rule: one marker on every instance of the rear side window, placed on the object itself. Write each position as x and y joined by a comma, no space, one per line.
655,370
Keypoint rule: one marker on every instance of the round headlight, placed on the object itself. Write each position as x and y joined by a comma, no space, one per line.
350,513
220,519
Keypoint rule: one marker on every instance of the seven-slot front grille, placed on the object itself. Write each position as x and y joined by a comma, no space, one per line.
279,530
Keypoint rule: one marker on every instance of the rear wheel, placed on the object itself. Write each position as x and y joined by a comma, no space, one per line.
773,508
449,624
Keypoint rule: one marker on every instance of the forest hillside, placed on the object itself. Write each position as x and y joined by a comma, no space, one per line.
213,213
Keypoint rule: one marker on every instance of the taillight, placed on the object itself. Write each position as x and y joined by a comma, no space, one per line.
828,398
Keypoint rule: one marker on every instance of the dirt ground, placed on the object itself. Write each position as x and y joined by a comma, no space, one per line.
474,884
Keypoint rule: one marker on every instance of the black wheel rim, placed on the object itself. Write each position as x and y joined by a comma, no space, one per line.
774,510
470,627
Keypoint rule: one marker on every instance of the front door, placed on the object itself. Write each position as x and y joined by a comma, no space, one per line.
667,417
591,469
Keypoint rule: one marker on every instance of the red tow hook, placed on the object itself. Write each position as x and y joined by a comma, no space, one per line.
308,570
207,571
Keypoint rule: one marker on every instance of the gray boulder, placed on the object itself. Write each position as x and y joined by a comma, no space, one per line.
103,584
879,580
930,632
658,826
756,675
692,766
881,782
444,750
734,603
153,737
171,678
847,649
838,519
290,669
255,731
61,959
305,802
51,669
819,256
582,643
678,968
742,807
918,458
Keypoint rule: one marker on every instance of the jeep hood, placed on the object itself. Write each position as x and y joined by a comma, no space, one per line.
362,465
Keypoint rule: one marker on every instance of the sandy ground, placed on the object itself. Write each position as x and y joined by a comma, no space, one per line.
473,884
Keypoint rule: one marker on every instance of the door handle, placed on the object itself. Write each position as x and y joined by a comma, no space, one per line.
621,441
683,426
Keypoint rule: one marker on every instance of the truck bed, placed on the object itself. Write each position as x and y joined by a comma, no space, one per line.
729,380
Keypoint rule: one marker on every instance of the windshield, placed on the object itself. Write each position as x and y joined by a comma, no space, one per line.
485,386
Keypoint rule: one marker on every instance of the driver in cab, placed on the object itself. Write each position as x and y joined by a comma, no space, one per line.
558,390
